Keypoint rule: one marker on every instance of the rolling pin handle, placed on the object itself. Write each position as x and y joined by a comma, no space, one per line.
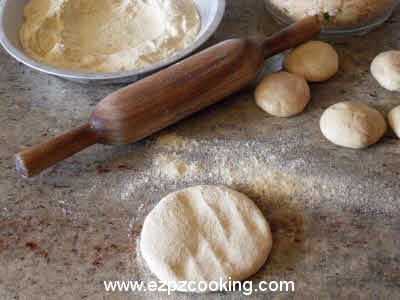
35,159
294,35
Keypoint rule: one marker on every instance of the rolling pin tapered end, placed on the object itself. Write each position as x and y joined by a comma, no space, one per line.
292,36
20,166
36,159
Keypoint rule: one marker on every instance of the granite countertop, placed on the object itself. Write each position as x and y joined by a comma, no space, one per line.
334,212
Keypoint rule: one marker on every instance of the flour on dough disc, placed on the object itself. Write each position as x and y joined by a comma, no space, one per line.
205,233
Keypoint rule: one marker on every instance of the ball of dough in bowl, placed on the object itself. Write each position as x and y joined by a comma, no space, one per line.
386,70
353,125
316,61
205,233
394,120
283,94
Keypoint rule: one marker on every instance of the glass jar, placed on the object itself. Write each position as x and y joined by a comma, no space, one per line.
339,17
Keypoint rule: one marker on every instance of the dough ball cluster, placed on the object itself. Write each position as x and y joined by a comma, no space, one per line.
283,94
286,94
353,125
386,70
394,120
315,61
205,233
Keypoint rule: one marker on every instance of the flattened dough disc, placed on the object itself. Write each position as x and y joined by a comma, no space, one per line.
205,233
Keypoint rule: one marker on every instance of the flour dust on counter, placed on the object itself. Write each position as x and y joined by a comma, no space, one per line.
265,176
170,165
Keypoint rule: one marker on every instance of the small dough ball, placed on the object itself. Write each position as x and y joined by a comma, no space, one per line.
283,94
353,125
316,61
386,70
394,120
205,233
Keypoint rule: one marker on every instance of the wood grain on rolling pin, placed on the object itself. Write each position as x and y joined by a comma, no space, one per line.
142,108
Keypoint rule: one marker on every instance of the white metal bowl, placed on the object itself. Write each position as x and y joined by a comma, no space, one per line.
11,18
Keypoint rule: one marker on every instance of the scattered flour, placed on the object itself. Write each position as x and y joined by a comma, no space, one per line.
177,158
254,177
172,166
173,162
175,142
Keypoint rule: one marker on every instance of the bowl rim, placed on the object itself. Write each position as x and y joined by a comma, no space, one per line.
25,59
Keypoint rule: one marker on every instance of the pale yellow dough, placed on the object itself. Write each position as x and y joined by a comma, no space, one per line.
205,233
394,120
283,94
386,70
107,35
316,61
353,125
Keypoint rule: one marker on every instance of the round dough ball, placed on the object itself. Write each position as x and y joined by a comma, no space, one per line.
283,94
316,61
386,70
394,120
205,233
353,125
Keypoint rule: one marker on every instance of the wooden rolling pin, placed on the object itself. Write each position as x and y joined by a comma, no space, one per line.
143,108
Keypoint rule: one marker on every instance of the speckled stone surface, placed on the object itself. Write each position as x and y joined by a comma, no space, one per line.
334,212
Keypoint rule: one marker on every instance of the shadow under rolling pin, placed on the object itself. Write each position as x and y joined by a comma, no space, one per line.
151,104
